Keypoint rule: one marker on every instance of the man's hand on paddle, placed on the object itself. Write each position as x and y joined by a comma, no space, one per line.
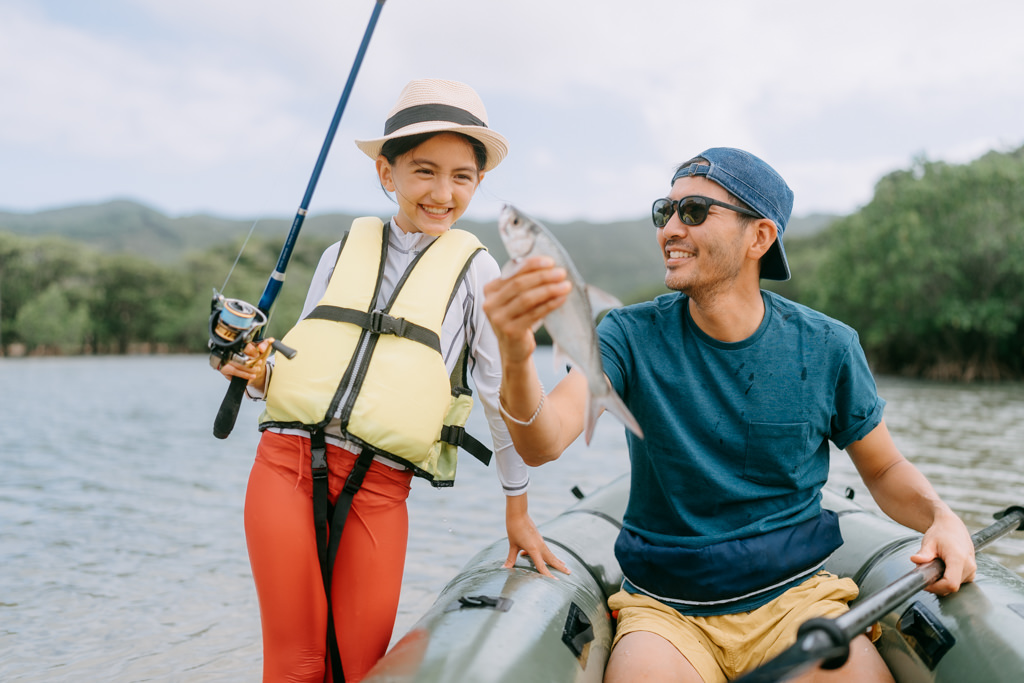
906,496
948,539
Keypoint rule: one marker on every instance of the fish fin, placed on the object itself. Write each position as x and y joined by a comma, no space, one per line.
601,300
511,267
614,405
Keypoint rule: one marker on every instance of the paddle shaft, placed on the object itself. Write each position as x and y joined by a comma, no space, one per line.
873,608
828,640
228,411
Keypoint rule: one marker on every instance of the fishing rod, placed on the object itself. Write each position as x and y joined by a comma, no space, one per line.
827,641
233,322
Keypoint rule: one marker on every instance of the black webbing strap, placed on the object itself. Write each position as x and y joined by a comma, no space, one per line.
321,511
344,503
327,543
457,435
378,322
318,451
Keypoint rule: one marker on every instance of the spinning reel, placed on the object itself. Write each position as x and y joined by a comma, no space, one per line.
233,324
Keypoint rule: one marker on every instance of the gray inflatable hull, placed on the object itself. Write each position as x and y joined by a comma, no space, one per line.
495,625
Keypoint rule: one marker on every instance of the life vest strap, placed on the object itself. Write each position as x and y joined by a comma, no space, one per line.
327,543
318,462
458,436
341,508
378,322
321,511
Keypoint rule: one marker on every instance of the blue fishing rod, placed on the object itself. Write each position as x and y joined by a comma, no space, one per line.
233,322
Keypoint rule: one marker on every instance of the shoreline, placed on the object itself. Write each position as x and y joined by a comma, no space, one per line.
945,373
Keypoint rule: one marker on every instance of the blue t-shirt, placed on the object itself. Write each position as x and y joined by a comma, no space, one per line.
736,434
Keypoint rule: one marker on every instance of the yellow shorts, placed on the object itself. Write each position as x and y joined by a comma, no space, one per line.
722,647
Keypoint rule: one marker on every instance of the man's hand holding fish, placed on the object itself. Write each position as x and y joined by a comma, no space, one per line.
542,285
518,303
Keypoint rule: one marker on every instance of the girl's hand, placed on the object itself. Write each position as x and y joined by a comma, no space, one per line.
525,539
254,368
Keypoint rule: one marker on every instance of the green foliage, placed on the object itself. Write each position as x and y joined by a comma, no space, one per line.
56,296
804,255
49,320
42,273
931,272
133,298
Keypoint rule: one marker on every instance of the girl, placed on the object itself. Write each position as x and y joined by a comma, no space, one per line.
390,310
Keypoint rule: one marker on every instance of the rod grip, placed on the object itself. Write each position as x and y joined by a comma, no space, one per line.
228,412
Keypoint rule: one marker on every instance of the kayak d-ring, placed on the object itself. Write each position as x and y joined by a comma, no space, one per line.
481,601
578,631
925,633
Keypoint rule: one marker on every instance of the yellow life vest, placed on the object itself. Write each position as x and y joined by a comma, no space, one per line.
381,372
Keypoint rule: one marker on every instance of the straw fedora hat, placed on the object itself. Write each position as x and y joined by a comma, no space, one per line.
429,106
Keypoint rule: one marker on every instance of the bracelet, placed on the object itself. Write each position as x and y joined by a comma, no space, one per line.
505,413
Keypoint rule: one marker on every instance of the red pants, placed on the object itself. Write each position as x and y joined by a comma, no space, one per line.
367,577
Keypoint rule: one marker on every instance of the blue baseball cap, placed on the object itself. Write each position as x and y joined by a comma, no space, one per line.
757,185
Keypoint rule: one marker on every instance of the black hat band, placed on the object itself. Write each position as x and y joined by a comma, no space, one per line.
431,112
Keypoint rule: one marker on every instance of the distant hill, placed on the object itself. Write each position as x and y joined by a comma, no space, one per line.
132,227
805,226
620,257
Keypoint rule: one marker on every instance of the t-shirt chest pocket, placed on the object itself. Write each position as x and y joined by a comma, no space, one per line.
777,453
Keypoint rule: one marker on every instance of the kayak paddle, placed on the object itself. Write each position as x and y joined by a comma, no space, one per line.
826,642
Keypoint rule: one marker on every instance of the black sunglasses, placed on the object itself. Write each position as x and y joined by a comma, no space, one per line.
693,210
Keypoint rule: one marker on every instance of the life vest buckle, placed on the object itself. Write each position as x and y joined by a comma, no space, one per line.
382,323
318,455
352,485
453,434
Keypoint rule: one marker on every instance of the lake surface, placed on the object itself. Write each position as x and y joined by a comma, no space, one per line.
122,553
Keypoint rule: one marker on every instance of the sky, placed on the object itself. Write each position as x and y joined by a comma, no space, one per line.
222,106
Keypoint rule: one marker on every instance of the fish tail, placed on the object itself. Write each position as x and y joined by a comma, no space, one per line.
610,401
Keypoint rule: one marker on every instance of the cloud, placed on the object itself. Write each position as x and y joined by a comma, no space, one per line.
222,105
76,92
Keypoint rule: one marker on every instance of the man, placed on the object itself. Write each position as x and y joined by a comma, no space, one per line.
738,392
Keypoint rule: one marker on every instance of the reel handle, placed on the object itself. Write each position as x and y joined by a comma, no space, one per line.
225,420
285,350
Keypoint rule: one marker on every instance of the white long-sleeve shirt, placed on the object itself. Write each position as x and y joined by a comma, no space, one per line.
464,323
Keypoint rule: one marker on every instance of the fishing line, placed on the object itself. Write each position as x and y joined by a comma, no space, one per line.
234,323
224,286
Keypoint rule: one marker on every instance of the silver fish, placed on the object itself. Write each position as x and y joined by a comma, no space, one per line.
571,326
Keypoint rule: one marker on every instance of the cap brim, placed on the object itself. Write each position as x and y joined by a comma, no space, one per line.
774,265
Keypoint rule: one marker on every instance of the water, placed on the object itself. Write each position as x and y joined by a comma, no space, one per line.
122,553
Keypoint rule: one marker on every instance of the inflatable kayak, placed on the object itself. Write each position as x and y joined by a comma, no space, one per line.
491,624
